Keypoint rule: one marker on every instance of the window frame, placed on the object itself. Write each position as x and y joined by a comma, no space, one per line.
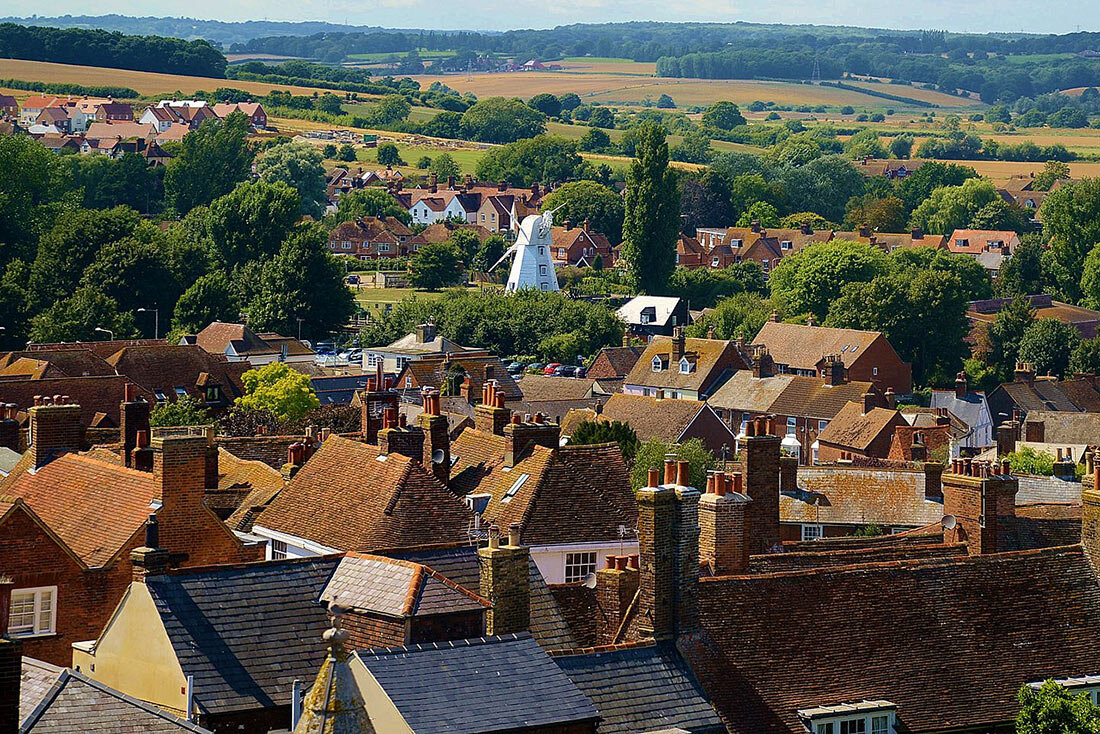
813,527
36,593
278,550
570,561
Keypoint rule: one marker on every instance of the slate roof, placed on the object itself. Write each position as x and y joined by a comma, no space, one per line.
857,496
852,428
460,565
1047,525
1063,427
1047,489
396,588
642,688
349,496
573,494
246,632
92,506
474,686
36,678
952,639
801,347
1041,394
75,703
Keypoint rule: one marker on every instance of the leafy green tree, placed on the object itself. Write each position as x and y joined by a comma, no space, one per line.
444,165
1071,218
501,120
277,388
953,207
760,212
184,411
1086,357
301,282
329,103
705,201
998,113
347,153
1022,274
424,162
694,148
134,273
974,279
1048,344
919,185
369,202
724,116
594,139
435,266
212,160
863,144
13,305
541,158
705,287
1055,710
251,221
465,242
810,280
77,317
652,213
582,201
596,431
824,185
813,219
569,101
880,214
491,250
547,104
796,150
741,316
998,344
602,117
329,151
391,109
901,147
652,453
999,215
108,182
210,298
71,246
664,102
21,196
1027,460
1053,171
389,155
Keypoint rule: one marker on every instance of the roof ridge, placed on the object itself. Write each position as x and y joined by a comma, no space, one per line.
249,565
613,647
427,646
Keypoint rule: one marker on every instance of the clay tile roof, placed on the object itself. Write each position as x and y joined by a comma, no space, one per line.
842,495
987,624
852,428
396,588
99,394
189,366
714,357
370,501
442,231
813,398
542,388
802,346
77,362
94,507
431,371
747,393
651,418
1067,427
218,335
621,359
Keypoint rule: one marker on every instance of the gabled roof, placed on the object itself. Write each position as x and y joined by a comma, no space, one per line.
460,564
802,347
72,702
246,632
662,307
442,231
652,418
642,688
544,388
571,494
712,358
1046,394
975,241
432,370
1063,427
124,130
949,641
475,686
92,506
96,394
852,428
747,393
189,366
411,344
396,588
349,496
218,335
813,397
621,359
77,362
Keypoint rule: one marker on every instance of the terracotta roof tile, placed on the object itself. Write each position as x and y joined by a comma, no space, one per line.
713,359
856,496
652,418
852,428
801,347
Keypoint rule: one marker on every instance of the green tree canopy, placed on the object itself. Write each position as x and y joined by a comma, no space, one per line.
370,202
1055,710
435,266
502,120
135,274
444,165
739,317
547,104
581,201
212,160
277,388
863,144
596,431
652,453
1071,218
1022,274
705,287
810,280
651,220
919,185
76,318
1048,344
38,182
210,298
297,164
724,116
250,222
953,207
184,411
998,344
542,158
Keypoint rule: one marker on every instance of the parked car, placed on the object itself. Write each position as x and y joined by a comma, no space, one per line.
549,369
565,371
514,368
352,280
581,372
535,368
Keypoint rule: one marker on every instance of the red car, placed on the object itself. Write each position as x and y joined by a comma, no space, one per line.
549,369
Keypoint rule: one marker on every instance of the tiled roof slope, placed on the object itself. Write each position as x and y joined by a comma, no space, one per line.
713,358
949,641
571,494
76,703
481,685
853,428
841,495
94,507
348,496
1066,427
432,371
97,394
69,362
460,565
620,360
541,388
245,632
802,346
642,688
652,418
36,678
166,367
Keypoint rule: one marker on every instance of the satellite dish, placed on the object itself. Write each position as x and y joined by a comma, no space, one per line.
438,456
949,522
590,581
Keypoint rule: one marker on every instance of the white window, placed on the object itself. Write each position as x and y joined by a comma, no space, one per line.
811,532
384,247
853,726
542,270
33,611
686,366
561,252
278,550
792,426
408,382
826,728
785,244
821,425
714,262
579,565
657,364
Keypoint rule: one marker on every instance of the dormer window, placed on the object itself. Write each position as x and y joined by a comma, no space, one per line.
213,394
865,717
785,244
657,364
686,366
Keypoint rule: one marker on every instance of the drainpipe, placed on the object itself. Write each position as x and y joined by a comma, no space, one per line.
295,704
190,698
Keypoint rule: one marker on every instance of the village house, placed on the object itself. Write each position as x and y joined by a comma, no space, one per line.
648,316
254,111
459,376
670,420
615,363
169,112
731,245
689,252
425,342
371,238
891,241
579,246
1043,306
9,107
1029,392
867,355
238,343
890,168
678,367
859,430
972,409
442,231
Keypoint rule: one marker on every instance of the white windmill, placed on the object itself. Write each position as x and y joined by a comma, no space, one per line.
533,267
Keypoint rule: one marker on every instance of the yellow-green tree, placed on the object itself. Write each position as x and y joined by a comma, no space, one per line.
287,393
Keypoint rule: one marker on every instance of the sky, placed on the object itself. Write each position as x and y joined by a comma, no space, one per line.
1058,16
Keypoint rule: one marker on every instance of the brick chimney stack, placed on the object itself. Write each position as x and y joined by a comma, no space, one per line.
1006,437
150,559
762,363
397,437
505,581
374,400
179,471
833,370
962,389
521,434
437,437
679,343
723,531
616,586
1034,431
1090,520
1024,372
141,458
933,480
760,454
491,416
9,427
981,495
55,428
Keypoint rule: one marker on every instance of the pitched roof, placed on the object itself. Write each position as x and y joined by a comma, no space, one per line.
369,501
642,688
218,336
481,685
712,358
745,392
802,347
432,371
812,397
570,494
189,366
857,496
411,343
1068,428
663,307
652,418
442,231
246,632
97,394
621,359
543,388
976,241
460,564
73,702
852,428
396,588
1039,395
92,506
78,362
117,129
952,639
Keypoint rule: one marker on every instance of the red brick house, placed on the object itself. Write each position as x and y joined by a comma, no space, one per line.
371,238
667,419
859,430
70,521
690,253
579,246
254,111
615,363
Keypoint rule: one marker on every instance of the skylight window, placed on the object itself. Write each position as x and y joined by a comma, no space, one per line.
514,488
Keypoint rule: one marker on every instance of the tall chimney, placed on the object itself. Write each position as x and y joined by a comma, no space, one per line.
679,343
761,462
490,415
437,437
505,581
616,586
961,387
982,497
133,417
1006,437
9,427
933,481
521,435
149,559
869,402
723,531
657,551
55,429
179,472
1024,372
1090,521
788,474
396,437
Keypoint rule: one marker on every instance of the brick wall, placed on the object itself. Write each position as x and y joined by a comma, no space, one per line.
656,528
615,590
722,538
711,430
760,455
55,429
371,630
271,450
443,627
892,372
963,497
504,580
1090,525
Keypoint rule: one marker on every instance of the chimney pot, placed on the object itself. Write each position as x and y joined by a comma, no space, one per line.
514,535
683,473
620,563
654,478
609,560
670,471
